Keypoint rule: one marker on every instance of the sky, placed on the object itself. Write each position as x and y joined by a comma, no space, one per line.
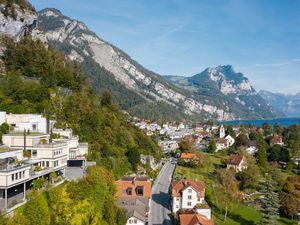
260,38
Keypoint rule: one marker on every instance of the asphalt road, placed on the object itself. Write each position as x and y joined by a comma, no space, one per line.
160,203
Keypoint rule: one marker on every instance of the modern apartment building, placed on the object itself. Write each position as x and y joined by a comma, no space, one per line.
28,155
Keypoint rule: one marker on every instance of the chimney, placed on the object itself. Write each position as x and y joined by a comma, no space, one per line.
133,181
184,181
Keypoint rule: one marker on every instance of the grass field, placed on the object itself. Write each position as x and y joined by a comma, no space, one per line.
241,214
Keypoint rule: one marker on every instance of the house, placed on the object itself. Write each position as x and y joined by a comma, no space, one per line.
190,217
17,172
221,144
134,195
229,141
187,194
28,122
187,157
277,140
237,162
168,146
252,147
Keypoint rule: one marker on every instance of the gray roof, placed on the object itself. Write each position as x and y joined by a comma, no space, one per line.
137,207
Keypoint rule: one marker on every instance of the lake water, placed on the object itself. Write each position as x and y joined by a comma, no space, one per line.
285,122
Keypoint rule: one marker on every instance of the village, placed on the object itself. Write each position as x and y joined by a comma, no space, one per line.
181,187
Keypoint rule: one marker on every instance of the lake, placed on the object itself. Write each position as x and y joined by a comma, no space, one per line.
285,122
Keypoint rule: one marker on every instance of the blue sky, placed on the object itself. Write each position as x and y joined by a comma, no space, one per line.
260,38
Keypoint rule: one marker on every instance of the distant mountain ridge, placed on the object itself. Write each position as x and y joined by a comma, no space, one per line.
288,104
228,88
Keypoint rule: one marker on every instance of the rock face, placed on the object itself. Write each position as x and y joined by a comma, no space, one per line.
223,86
216,93
81,44
18,22
283,104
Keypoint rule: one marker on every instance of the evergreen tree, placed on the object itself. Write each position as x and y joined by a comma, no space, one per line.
261,154
270,205
212,146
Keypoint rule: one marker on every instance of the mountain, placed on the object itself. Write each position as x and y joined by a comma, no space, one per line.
137,90
287,104
227,88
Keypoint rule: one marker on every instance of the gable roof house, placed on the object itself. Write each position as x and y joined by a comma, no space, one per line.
134,194
187,157
187,194
277,140
236,162
193,218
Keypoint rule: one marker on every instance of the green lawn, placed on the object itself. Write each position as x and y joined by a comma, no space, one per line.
241,214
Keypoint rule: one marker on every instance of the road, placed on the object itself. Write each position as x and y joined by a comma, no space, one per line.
160,203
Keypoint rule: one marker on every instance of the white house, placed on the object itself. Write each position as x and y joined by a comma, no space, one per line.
237,162
187,194
252,147
221,144
229,141
21,122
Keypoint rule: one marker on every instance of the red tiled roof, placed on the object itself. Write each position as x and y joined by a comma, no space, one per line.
187,155
179,185
235,160
122,187
277,139
194,219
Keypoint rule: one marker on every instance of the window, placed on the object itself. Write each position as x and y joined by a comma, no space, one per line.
177,199
16,176
140,190
33,153
13,177
189,203
135,220
20,175
189,197
198,199
190,190
129,191
47,163
23,174
34,127
177,206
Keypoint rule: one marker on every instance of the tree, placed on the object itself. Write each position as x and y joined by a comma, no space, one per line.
53,177
270,205
230,131
290,196
37,210
134,157
185,145
242,140
38,183
228,189
212,146
261,154
250,178
4,128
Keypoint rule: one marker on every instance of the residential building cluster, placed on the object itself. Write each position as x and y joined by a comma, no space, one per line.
29,152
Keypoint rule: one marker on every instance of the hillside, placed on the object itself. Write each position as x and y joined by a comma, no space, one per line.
287,104
227,88
136,89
